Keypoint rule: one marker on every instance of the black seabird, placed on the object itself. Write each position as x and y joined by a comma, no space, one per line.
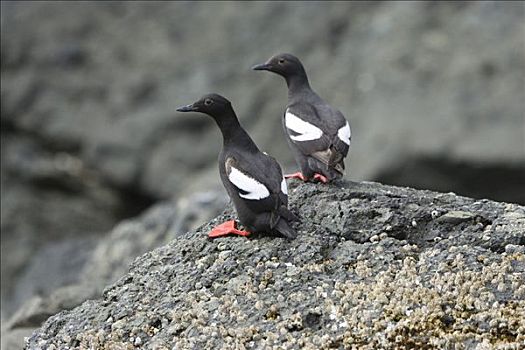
253,179
318,134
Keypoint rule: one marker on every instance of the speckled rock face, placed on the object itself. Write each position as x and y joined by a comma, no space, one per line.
374,267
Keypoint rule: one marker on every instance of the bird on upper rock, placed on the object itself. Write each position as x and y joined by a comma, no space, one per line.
318,134
253,179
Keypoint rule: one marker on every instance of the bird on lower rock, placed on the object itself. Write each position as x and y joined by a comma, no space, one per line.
253,179
318,134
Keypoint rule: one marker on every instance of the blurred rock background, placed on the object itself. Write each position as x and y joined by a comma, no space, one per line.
89,133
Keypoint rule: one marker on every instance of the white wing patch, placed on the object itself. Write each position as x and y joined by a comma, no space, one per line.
344,134
255,190
306,131
284,187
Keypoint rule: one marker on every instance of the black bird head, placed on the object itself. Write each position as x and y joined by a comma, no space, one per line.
213,105
284,64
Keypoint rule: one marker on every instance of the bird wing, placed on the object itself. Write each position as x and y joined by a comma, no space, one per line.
259,181
305,130
249,188
319,131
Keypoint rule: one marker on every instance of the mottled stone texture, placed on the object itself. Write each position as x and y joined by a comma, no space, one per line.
374,266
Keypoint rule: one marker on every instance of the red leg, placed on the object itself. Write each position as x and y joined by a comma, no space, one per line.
227,228
297,175
321,178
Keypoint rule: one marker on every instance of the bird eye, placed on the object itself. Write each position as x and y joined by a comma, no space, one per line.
207,102
281,61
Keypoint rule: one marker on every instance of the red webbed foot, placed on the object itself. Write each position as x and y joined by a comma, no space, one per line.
227,228
321,178
297,175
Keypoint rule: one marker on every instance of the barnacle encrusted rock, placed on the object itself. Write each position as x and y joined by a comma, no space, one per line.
373,267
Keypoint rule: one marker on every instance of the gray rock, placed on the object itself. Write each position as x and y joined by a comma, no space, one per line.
52,204
55,265
15,339
421,86
102,264
330,288
456,216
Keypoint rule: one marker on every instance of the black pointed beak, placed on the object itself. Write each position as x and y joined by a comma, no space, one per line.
187,108
262,66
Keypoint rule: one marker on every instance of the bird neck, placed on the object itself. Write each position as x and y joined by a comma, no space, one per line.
233,133
297,83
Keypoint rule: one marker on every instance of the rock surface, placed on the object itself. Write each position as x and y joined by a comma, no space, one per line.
54,211
104,263
374,266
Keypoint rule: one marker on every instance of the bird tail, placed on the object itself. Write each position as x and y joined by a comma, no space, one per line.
284,228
